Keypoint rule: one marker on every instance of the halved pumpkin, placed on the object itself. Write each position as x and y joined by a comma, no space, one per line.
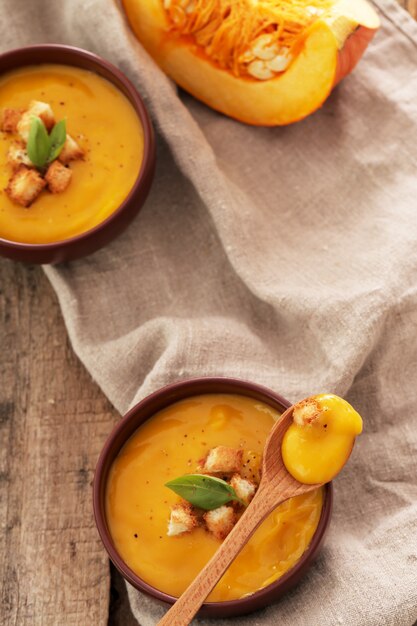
264,62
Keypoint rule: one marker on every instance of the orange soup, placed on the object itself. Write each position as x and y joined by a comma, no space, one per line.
105,125
319,441
169,445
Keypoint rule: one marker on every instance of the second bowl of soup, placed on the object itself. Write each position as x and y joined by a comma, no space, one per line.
80,197
173,433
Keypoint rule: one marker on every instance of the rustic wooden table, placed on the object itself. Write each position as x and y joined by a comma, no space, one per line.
53,422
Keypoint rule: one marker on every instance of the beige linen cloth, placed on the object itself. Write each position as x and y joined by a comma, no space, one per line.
285,256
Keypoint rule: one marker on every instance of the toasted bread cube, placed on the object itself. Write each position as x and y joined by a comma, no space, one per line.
18,156
9,120
220,521
182,519
223,460
23,126
71,151
306,412
42,110
58,177
245,489
25,186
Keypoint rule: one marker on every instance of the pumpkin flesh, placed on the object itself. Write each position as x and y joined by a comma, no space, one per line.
216,67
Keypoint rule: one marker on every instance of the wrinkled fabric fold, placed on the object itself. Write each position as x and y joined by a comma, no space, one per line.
285,256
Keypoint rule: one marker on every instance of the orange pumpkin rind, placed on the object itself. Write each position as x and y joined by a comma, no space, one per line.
221,69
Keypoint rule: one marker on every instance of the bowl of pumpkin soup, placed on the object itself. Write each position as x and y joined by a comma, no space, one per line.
77,153
193,433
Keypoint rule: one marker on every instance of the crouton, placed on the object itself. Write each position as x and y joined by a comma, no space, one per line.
9,120
17,155
58,177
306,412
182,519
223,460
25,186
245,489
71,151
42,110
23,126
220,521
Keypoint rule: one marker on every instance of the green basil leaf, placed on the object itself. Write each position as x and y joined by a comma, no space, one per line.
57,139
38,146
206,492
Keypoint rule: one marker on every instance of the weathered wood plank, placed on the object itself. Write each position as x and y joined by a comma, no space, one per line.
53,421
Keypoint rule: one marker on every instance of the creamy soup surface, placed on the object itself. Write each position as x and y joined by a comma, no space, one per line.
169,445
105,125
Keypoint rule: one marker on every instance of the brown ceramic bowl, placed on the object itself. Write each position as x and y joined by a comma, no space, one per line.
128,425
106,231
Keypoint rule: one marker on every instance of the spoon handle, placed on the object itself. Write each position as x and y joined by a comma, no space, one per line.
183,611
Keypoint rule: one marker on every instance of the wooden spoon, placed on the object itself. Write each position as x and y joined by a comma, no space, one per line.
276,486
